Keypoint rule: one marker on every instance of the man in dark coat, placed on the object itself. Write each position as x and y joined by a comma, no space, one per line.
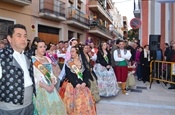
171,58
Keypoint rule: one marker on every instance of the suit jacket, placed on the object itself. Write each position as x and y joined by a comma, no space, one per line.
170,55
153,54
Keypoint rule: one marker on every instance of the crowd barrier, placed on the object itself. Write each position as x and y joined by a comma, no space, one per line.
162,71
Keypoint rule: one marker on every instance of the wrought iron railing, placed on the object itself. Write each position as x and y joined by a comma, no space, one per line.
109,14
77,15
55,7
101,3
102,28
137,5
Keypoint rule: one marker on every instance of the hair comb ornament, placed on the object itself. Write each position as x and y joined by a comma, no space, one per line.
35,43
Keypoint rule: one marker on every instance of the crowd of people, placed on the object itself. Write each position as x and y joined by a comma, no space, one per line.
67,78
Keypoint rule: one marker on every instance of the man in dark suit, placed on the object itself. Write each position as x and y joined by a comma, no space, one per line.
157,55
171,58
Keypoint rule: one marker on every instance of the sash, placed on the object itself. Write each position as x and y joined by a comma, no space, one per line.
106,58
76,70
42,69
52,58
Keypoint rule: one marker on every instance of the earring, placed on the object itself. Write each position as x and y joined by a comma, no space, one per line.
35,52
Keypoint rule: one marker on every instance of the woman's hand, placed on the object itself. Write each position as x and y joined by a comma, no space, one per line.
78,86
83,85
54,81
50,88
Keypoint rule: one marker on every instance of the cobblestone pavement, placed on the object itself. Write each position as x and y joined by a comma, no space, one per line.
143,101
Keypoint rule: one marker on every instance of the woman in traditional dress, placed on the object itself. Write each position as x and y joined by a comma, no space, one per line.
72,42
106,78
93,78
48,101
52,55
77,96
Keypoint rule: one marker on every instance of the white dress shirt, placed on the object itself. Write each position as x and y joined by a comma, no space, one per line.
123,55
20,58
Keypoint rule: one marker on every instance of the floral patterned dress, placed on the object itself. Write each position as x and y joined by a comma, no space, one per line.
47,103
106,79
78,101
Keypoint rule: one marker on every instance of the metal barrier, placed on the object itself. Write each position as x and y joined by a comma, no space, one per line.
162,71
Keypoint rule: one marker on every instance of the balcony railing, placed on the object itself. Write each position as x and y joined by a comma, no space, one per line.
137,8
103,6
115,33
109,14
101,28
19,2
77,15
54,8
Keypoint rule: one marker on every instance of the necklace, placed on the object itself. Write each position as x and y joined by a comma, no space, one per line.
40,57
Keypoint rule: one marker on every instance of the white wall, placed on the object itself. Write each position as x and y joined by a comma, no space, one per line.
157,19
167,22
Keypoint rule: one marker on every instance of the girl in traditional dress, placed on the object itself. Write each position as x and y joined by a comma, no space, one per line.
106,78
48,101
77,96
52,55
93,77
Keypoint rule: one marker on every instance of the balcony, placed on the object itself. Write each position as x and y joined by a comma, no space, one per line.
98,7
19,2
100,30
137,9
110,4
52,10
115,33
77,19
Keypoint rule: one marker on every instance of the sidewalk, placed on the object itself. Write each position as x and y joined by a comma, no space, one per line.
155,101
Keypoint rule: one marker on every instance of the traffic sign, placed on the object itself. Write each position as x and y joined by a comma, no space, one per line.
135,23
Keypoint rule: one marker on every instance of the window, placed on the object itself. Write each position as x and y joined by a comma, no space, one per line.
70,34
4,24
79,4
71,1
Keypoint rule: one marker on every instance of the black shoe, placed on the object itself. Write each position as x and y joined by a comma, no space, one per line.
139,79
158,82
171,88
165,83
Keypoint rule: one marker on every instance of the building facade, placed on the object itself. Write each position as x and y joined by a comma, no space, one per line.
158,18
55,20
100,20
125,27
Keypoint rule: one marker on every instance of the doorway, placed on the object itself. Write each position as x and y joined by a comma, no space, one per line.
48,34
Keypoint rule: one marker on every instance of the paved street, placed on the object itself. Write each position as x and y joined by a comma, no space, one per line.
155,101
